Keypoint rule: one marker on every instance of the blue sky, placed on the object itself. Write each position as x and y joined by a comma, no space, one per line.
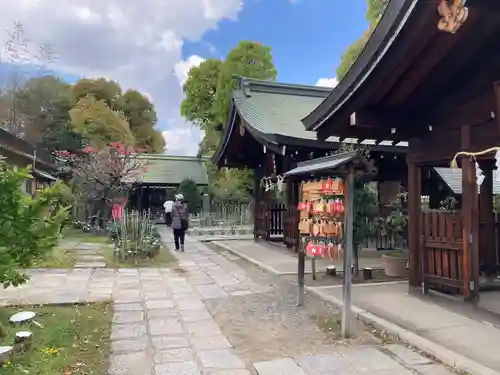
307,38
152,48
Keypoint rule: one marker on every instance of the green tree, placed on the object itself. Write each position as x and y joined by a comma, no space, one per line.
141,115
45,104
99,124
100,89
30,226
350,56
191,194
247,59
200,89
376,9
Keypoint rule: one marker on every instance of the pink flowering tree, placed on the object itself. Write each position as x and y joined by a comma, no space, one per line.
104,176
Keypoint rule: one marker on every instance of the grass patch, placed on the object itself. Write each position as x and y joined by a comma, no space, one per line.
73,234
330,324
60,257
74,338
163,259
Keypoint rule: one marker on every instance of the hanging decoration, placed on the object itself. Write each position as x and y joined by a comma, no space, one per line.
454,13
479,173
322,218
497,165
273,183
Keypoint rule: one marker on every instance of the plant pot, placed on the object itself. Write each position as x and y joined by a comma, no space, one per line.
395,266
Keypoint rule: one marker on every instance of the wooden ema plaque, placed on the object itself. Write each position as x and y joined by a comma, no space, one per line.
321,210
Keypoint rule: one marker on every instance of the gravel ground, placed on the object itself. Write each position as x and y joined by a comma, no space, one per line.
269,325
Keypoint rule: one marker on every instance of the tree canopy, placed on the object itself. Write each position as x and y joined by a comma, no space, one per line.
374,12
99,124
54,115
208,94
200,89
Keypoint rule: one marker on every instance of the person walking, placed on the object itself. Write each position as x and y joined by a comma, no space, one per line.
168,211
180,221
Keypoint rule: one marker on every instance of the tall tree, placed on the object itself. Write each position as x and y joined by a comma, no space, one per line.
101,89
376,9
200,89
45,103
141,115
99,124
247,59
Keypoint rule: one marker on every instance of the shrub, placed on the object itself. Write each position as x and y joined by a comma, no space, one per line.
29,227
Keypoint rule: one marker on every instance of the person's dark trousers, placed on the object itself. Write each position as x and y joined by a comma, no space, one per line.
179,235
168,218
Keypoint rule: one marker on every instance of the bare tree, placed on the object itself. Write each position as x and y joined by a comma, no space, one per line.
20,64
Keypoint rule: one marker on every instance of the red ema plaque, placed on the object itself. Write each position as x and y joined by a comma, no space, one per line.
315,249
332,186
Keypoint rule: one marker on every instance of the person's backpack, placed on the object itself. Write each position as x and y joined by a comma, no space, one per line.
184,222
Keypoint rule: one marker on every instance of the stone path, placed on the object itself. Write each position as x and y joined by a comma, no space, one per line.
88,255
161,324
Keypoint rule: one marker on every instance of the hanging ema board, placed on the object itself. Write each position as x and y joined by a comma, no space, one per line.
321,223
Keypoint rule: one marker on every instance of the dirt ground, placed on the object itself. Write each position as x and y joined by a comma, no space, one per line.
269,325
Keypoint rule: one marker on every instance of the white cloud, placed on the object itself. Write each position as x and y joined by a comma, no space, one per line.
327,82
139,45
182,68
182,139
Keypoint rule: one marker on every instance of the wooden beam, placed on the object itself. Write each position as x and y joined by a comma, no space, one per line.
436,50
472,113
483,5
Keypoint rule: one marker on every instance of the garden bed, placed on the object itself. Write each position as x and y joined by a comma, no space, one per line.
164,258
74,340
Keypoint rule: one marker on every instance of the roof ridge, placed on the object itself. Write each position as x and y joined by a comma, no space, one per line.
247,85
172,157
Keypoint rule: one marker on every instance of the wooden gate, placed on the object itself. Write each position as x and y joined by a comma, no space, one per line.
291,226
276,222
441,253
261,220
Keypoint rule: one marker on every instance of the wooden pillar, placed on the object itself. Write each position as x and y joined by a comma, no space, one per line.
414,213
487,249
470,222
141,194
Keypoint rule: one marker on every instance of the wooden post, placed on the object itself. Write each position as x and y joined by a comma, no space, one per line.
348,253
470,222
313,267
487,249
301,264
416,258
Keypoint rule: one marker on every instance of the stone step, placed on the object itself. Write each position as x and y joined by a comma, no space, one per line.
283,366
90,265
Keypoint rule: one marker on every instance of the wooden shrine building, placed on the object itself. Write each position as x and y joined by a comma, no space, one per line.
264,133
430,74
20,153
163,176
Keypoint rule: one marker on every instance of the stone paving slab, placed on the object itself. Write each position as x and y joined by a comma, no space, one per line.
161,325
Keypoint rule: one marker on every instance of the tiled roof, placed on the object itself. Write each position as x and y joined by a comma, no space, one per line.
273,108
172,170
453,178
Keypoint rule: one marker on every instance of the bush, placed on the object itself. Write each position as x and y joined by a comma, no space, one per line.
29,227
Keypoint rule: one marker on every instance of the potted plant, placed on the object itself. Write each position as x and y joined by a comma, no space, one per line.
395,226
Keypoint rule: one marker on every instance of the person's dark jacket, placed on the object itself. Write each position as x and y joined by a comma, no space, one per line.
179,213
